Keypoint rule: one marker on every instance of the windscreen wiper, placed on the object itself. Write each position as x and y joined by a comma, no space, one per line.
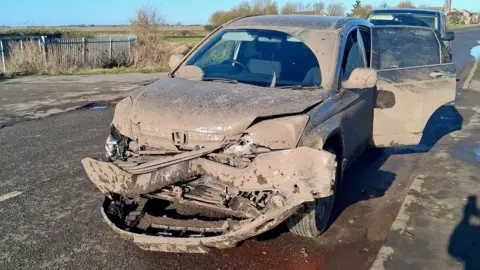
216,79
301,87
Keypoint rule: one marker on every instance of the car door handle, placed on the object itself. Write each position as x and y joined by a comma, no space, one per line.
437,74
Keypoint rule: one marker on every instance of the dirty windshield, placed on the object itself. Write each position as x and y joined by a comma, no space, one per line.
422,20
258,57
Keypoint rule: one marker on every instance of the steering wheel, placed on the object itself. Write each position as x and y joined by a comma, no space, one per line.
234,62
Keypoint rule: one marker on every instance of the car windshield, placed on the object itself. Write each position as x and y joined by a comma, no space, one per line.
259,57
423,20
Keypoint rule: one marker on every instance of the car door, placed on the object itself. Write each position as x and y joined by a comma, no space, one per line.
415,77
358,113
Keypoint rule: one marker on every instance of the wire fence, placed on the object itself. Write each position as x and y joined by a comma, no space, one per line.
98,52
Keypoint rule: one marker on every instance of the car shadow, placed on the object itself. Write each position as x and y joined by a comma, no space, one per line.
365,179
464,244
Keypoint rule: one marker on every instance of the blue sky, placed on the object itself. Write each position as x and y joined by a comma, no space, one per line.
63,12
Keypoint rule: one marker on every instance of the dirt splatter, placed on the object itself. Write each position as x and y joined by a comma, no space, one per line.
261,179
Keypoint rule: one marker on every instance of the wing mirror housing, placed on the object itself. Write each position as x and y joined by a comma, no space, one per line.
361,78
449,36
175,60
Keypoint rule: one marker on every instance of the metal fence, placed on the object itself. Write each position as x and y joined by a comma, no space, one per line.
99,51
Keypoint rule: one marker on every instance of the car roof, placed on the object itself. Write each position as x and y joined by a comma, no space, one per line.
300,21
407,10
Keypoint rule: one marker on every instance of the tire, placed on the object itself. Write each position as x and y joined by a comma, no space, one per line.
313,219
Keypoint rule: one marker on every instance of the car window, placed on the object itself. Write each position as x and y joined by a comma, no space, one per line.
353,56
422,20
259,57
403,47
222,51
367,42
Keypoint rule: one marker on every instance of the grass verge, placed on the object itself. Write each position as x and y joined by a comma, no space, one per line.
99,71
185,40
453,26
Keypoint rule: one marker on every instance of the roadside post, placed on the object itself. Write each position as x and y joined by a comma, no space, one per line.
21,50
129,46
44,48
3,56
84,51
110,51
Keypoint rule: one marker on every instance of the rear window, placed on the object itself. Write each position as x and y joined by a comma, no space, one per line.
402,47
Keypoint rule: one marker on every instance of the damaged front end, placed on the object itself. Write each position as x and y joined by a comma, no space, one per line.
216,195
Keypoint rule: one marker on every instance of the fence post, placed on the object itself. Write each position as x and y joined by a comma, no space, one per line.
129,46
40,45
3,56
44,43
84,49
21,48
110,51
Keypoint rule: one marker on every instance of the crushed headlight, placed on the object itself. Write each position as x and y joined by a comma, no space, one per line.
111,146
116,145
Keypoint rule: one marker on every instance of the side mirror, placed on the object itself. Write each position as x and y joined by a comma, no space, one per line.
449,36
361,78
175,60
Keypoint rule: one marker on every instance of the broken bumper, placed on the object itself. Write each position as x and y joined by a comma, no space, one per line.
298,175
203,244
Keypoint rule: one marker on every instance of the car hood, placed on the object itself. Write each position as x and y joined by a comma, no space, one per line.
174,104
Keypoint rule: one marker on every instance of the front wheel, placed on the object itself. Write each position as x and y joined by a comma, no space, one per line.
314,218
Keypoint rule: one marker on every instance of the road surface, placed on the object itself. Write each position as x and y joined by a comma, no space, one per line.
50,214
465,40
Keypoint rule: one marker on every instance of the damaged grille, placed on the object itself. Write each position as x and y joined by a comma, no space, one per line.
198,208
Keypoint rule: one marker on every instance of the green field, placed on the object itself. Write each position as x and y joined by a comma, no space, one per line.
92,31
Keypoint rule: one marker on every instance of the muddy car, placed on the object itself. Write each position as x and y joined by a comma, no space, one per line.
255,126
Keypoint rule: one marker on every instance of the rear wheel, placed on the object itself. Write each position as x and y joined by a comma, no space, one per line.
314,218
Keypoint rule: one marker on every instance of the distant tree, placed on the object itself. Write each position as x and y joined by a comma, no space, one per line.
146,23
405,4
335,9
268,7
301,8
356,8
383,5
366,10
359,10
318,6
254,7
292,8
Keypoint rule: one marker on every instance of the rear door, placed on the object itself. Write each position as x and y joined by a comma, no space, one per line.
416,77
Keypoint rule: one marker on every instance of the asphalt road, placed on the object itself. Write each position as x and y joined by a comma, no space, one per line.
52,218
56,222
465,40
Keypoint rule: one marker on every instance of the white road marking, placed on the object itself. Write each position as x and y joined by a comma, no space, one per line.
10,195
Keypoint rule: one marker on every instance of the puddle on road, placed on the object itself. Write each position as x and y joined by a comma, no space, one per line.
5,124
94,106
476,151
475,52
97,107
464,153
